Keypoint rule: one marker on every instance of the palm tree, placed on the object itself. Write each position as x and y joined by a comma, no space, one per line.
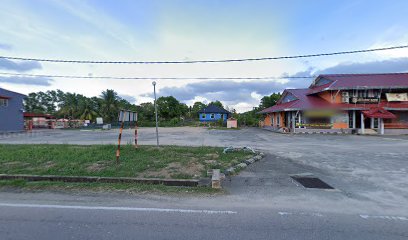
87,109
69,105
110,103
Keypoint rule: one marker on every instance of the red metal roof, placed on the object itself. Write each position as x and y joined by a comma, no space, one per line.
378,112
27,114
362,81
303,101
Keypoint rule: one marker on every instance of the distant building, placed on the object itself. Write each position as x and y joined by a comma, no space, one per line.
39,120
360,103
11,111
213,113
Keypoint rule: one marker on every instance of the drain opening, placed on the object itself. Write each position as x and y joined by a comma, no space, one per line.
311,182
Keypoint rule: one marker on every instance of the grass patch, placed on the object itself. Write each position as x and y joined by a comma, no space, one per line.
99,160
103,187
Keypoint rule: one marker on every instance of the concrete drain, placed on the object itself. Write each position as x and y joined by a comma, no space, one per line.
311,182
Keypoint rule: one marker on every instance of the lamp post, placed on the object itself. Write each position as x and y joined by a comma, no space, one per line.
155,110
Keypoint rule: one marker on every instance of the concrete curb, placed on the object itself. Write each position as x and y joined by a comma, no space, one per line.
167,182
232,170
327,133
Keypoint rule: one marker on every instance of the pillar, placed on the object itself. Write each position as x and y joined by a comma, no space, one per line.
362,123
372,123
300,119
381,123
354,119
293,115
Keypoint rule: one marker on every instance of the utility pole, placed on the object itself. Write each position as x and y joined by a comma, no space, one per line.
155,110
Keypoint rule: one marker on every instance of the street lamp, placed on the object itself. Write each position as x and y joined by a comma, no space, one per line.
155,110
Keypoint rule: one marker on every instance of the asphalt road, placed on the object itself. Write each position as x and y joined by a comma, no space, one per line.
54,216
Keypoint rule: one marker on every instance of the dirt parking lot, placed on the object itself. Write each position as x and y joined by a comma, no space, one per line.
367,171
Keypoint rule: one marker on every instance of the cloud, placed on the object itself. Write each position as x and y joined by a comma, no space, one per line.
383,66
228,91
239,93
5,46
129,98
40,81
19,66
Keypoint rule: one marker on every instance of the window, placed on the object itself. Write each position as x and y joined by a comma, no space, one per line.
212,116
278,119
322,81
3,102
288,98
203,116
272,119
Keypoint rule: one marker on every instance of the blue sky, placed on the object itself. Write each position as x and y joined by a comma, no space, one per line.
188,30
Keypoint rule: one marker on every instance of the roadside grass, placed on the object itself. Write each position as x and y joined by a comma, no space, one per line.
176,162
104,187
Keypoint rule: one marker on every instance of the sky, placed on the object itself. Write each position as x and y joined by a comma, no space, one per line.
177,30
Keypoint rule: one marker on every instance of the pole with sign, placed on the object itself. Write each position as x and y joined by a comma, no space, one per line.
126,116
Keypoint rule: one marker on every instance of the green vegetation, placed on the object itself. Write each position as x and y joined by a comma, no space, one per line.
105,187
67,105
99,160
251,118
171,112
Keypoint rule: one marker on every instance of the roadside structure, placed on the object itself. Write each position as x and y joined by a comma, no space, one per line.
351,103
213,113
39,120
11,111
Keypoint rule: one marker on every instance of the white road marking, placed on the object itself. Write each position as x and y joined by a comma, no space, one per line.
168,210
384,217
301,213
393,139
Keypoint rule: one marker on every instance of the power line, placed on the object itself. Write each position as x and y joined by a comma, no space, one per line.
203,61
192,78
150,78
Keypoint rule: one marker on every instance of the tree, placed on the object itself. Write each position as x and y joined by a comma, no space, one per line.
197,106
69,106
110,105
32,104
87,109
216,103
269,101
169,107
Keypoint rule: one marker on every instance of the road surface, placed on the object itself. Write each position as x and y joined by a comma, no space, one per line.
58,216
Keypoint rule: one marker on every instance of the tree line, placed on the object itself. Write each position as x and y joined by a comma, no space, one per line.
107,105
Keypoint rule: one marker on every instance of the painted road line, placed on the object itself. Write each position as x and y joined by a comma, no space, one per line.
167,210
301,213
384,217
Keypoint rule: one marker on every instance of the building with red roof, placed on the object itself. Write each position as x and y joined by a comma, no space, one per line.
344,102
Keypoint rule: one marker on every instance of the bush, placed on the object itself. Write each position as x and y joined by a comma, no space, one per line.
220,122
